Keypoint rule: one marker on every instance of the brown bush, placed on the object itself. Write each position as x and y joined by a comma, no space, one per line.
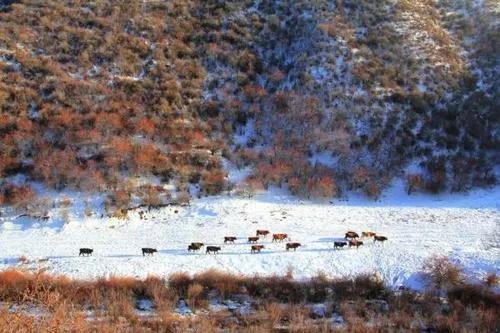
414,183
213,182
193,295
295,185
324,187
492,279
180,282
223,282
443,273
18,196
279,301
118,200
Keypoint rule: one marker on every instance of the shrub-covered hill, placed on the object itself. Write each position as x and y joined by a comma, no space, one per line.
93,93
322,96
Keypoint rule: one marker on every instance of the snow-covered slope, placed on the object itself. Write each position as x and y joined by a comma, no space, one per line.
466,228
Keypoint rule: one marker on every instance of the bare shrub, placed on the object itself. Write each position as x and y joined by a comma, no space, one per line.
183,198
66,202
23,259
414,183
213,182
443,273
223,282
245,190
180,282
65,216
492,279
18,196
156,289
88,210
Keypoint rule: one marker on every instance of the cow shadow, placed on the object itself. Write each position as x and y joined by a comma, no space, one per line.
60,257
277,251
9,260
126,256
331,239
242,241
94,255
264,251
178,252
223,252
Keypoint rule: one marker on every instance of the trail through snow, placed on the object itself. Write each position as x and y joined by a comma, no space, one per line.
464,227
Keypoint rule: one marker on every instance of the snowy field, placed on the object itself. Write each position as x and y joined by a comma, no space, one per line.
464,227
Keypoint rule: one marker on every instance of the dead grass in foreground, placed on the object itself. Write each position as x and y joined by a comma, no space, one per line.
39,302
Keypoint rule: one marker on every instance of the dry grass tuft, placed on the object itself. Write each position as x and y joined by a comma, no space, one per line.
193,294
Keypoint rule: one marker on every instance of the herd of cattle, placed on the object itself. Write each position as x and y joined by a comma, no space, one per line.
351,239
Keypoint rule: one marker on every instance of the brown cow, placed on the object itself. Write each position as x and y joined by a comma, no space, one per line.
279,237
379,239
368,234
293,246
213,249
356,243
253,239
351,235
262,233
256,248
229,239
337,245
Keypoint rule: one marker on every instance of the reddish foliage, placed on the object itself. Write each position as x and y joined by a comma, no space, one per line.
146,126
11,194
325,187
213,182
295,185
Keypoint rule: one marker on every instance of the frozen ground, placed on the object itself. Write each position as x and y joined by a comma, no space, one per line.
464,227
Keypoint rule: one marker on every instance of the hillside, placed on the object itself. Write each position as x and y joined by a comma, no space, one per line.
153,101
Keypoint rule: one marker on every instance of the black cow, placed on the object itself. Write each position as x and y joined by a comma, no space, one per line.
293,246
213,249
337,245
253,239
148,250
85,252
229,239
379,239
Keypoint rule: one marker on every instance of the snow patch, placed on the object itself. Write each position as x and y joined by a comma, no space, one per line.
414,225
